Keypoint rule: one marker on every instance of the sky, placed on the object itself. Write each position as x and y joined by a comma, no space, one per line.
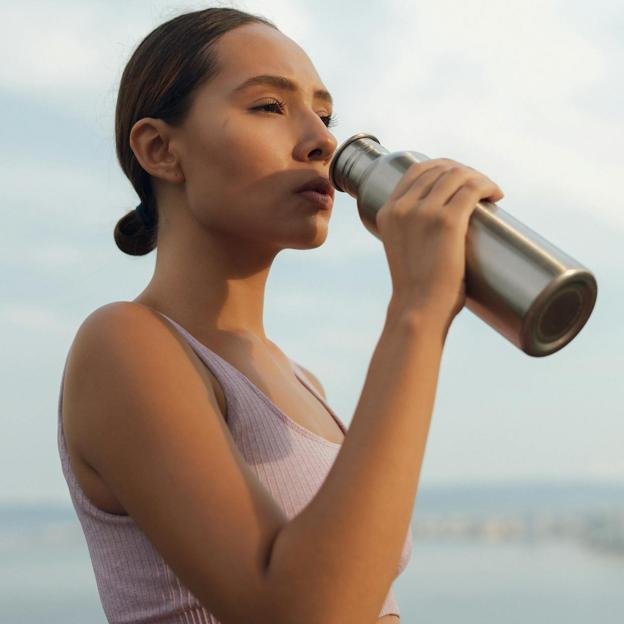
529,93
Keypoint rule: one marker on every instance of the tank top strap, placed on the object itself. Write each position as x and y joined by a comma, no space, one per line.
215,362
236,387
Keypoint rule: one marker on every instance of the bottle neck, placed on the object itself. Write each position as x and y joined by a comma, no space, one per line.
352,160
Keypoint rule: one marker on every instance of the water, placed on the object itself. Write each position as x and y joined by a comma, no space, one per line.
455,581
49,581
513,554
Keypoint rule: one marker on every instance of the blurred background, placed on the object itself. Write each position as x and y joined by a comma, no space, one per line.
520,510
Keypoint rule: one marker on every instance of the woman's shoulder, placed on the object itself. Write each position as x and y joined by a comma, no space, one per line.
119,310
119,327
117,320
124,352
106,333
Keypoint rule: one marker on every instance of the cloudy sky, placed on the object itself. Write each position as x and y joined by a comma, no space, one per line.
530,93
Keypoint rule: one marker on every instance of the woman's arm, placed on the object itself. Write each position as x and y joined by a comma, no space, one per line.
336,560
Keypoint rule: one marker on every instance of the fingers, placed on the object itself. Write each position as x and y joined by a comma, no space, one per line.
422,185
497,196
412,175
462,204
458,178
435,182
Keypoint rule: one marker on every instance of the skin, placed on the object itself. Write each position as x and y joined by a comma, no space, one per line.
224,183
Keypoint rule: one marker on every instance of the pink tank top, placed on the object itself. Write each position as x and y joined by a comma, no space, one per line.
134,582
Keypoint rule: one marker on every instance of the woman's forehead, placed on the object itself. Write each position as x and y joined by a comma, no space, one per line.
257,49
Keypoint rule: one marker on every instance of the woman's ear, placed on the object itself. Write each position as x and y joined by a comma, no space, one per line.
150,140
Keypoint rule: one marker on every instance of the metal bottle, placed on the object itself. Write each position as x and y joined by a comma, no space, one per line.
524,287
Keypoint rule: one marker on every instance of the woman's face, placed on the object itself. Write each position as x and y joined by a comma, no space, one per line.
243,153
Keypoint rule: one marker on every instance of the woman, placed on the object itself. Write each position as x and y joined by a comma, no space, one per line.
212,480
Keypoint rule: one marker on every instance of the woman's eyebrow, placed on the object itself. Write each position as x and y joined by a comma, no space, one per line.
281,82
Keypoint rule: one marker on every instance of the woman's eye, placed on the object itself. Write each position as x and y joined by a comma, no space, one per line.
273,104
329,120
278,106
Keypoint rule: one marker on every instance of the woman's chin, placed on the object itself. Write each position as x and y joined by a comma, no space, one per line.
311,243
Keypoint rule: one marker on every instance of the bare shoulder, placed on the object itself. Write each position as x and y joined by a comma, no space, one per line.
119,317
124,325
155,435
131,320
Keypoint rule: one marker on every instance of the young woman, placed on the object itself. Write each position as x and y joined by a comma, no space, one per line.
212,480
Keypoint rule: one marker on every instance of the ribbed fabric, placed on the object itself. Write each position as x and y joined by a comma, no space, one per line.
134,582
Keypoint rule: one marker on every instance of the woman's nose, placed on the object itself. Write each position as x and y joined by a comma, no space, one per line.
319,144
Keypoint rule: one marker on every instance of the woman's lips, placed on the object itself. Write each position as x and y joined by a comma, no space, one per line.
322,200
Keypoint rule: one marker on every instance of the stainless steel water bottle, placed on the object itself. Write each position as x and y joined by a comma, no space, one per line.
528,290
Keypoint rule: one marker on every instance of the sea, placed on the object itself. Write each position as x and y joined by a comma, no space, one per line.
512,553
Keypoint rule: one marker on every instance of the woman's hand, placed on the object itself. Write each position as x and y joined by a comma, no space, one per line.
423,227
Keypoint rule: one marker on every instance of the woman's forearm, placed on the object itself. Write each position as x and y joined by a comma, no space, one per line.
336,560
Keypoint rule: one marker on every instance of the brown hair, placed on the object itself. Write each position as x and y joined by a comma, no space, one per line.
159,81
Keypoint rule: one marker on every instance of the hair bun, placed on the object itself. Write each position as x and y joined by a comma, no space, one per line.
132,236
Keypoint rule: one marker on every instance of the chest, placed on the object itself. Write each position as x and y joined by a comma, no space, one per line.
288,393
